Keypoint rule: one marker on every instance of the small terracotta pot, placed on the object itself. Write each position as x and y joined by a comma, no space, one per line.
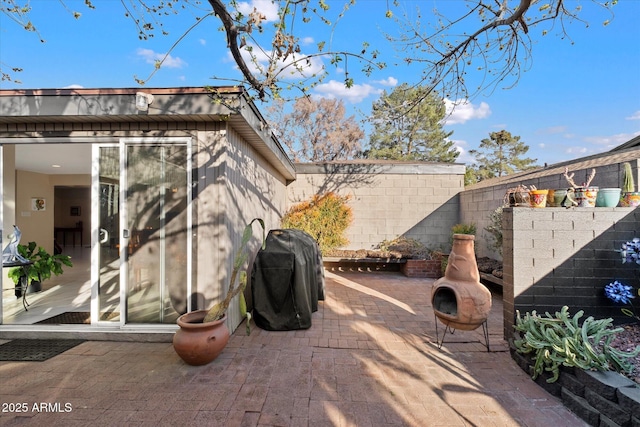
199,343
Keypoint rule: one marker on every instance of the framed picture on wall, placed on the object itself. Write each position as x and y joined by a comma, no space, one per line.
75,210
38,204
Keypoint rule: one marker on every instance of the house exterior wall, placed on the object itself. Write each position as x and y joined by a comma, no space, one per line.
235,185
418,201
232,178
556,256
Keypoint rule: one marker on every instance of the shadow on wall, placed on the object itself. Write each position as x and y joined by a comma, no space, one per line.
338,177
568,263
434,230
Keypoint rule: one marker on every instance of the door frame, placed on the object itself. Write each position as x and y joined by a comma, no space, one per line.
123,240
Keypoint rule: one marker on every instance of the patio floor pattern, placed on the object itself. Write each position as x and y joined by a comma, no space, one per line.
369,359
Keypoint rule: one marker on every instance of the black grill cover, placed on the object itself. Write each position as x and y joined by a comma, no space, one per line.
287,281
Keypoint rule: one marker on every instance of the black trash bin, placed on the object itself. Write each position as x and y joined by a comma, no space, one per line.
287,281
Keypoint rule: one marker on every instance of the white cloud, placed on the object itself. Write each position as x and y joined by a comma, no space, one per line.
74,86
389,81
612,140
268,8
576,150
335,89
288,71
307,41
203,42
461,111
150,57
464,157
634,116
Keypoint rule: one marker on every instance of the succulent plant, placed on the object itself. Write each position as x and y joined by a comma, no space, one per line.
628,183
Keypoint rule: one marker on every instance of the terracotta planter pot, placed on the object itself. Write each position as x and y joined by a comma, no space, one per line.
199,343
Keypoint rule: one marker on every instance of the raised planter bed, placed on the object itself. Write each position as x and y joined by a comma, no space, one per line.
599,398
409,267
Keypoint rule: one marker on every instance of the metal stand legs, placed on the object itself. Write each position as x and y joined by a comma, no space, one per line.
440,341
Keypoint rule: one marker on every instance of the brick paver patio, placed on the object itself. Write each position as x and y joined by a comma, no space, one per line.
369,359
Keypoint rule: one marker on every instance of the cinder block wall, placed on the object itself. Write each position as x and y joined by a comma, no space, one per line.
416,200
478,201
556,256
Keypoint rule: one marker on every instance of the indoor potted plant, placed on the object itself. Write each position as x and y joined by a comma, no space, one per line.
203,334
629,197
43,266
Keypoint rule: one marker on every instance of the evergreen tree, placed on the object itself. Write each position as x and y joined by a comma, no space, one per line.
407,125
501,154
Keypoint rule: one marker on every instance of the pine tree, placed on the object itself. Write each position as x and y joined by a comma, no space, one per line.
501,154
407,125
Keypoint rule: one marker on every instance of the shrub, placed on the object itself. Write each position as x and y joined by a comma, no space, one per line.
407,246
326,218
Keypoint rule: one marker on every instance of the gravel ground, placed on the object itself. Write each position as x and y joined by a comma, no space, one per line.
627,341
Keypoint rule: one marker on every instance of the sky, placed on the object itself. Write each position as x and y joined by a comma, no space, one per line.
578,97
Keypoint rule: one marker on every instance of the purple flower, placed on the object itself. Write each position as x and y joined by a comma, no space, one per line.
631,251
619,292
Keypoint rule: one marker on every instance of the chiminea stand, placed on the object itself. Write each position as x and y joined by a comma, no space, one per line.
439,341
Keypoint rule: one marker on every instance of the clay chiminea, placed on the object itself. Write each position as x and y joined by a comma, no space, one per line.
459,300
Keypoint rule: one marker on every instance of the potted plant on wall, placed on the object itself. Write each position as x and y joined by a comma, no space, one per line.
629,196
203,334
585,195
44,265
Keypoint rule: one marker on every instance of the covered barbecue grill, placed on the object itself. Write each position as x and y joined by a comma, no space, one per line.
287,281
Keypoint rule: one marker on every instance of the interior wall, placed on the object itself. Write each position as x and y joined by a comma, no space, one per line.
36,224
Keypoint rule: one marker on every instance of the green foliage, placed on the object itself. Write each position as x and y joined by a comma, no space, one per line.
628,183
562,341
326,218
408,125
218,310
44,264
501,154
470,175
495,230
463,229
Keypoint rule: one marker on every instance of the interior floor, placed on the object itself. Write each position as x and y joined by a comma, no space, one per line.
70,291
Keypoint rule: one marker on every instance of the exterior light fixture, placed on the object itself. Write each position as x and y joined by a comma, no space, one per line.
143,100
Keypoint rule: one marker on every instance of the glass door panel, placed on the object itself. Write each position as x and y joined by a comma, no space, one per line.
108,234
155,230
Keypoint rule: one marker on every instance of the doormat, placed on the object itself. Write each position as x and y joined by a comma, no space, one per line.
25,350
75,318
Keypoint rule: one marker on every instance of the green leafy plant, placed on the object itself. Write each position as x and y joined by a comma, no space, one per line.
326,218
217,311
463,229
561,340
43,266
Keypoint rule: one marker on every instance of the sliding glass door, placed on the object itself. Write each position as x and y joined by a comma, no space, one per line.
143,233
